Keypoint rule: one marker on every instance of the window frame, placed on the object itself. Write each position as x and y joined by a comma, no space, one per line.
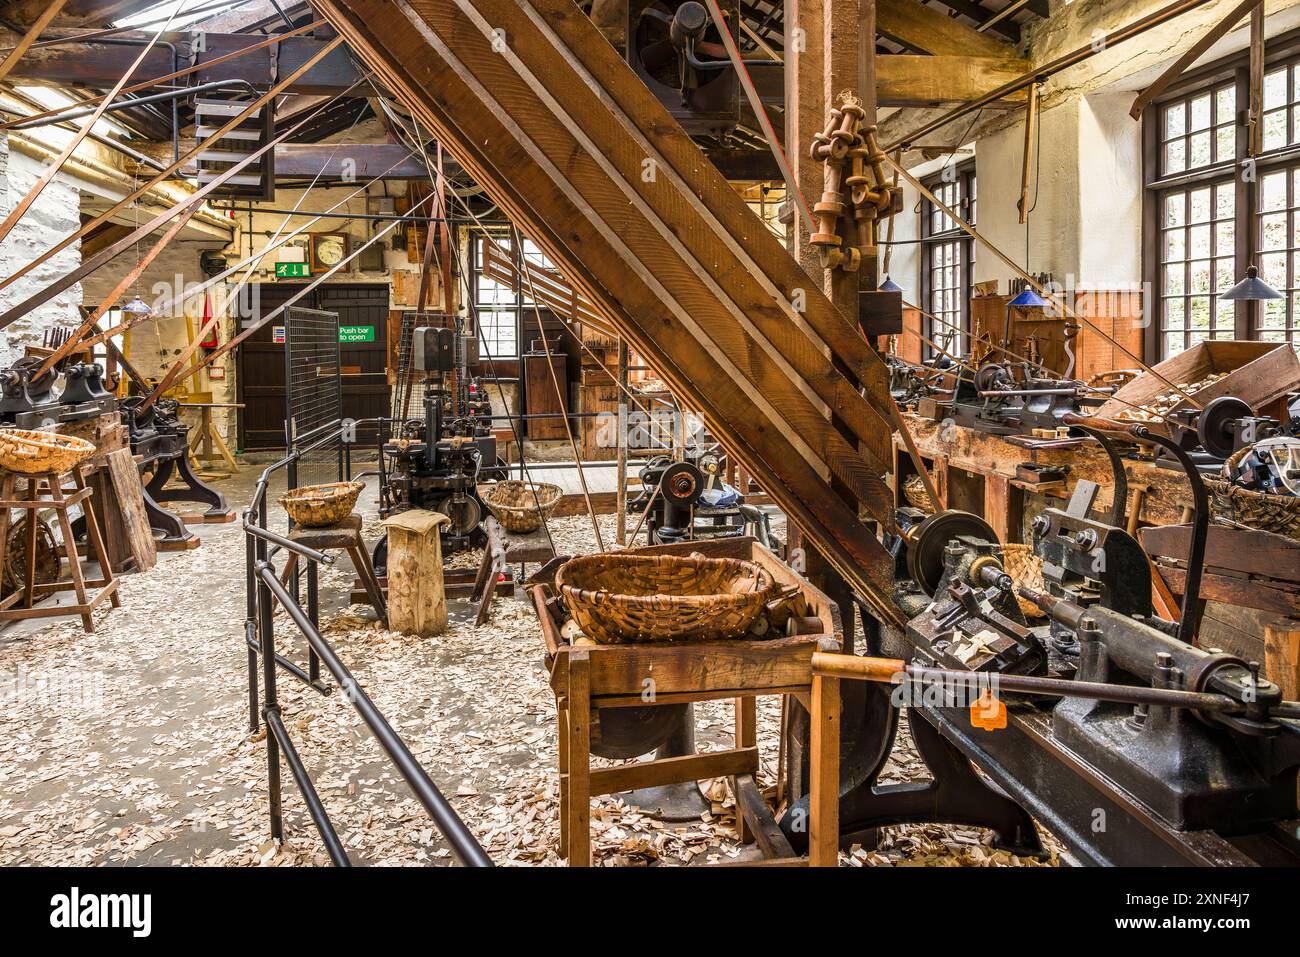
1283,51
953,236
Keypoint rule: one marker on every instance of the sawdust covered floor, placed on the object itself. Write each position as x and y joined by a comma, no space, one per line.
131,746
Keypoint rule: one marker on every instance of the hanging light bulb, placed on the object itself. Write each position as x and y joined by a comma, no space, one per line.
137,307
1251,288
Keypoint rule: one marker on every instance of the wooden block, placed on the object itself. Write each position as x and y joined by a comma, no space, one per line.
417,602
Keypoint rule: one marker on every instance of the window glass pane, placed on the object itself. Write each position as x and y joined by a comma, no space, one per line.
1200,112
1275,88
1175,120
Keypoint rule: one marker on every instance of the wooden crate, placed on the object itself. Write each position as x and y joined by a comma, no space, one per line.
1259,373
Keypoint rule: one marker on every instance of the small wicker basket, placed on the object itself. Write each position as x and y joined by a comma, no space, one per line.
1243,506
916,495
35,453
622,598
515,504
1025,568
320,506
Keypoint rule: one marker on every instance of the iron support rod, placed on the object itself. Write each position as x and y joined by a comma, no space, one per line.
314,807
463,843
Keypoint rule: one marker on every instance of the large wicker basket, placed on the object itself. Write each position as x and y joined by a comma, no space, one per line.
515,504
621,598
915,492
35,453
1025,568
1243,506
320,506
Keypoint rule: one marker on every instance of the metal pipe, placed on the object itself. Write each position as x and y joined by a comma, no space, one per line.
314,807
463,843
169,95
293,669
309,553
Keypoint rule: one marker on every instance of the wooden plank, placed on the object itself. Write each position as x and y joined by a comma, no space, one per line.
1247,550
128,491
906,80
19,49
767,834
691,767
519,172
933,31
607,169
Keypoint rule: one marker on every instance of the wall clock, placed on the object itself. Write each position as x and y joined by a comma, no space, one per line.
328,250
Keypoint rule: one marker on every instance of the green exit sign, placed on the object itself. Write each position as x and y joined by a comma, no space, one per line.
356,333
292,270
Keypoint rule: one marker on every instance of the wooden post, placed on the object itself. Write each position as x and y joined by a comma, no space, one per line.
417,603
1282,656
579,759
824,774
746,737
621,440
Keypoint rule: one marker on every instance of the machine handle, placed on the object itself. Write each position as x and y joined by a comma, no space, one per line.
1101,424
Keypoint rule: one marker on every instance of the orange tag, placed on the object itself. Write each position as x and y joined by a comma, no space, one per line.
988,712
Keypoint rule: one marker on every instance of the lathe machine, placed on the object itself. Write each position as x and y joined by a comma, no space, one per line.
1130,741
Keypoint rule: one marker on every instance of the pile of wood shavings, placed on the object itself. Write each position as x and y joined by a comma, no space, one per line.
132,745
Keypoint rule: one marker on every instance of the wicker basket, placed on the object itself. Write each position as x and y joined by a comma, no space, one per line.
619,598
515,504
320,506
915,493
1025,568
1243,506
35,453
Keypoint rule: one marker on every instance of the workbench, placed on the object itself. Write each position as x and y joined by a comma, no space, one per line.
976,472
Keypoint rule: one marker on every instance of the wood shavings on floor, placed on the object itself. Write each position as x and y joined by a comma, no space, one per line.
131,746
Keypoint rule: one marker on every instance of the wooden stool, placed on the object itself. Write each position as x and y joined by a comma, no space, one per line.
502,550
347,536
47,491
589,678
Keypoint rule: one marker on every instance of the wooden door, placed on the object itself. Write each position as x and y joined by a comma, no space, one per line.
363,350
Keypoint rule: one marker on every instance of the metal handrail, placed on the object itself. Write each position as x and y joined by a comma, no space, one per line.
264,590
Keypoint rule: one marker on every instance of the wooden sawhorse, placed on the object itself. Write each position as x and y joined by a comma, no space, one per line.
504,549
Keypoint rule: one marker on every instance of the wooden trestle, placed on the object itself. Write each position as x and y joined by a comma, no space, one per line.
560,132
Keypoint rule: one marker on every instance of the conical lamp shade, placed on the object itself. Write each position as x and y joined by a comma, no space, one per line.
889,286
1028,300
1252,287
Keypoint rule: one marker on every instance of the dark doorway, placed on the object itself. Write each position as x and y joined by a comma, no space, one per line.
363,314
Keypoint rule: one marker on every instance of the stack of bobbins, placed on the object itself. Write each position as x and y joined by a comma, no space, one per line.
846,146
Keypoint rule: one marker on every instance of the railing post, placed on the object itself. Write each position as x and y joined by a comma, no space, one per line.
250,625
266,627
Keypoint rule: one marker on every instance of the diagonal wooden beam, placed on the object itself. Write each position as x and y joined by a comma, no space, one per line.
1190,56
164,174
933,31
559,132
38,187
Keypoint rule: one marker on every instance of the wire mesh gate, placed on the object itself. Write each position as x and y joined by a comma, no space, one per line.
313,396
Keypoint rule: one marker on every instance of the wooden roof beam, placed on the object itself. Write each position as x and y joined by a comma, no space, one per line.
907,80
931,30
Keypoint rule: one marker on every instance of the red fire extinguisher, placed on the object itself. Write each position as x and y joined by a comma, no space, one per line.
209,340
